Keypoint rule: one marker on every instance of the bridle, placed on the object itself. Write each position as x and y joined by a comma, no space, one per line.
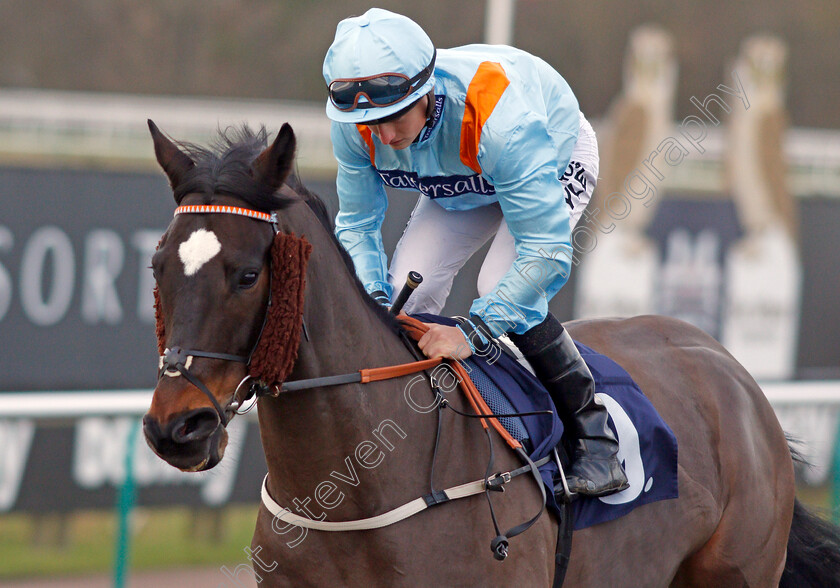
177,361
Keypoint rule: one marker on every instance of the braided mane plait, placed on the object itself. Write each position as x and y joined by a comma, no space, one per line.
277,350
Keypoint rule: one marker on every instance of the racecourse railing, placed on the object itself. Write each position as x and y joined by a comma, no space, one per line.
790,400
135,402
109,129
809,412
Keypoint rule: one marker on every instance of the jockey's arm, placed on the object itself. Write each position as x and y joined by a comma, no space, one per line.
532,198
362,206
526,177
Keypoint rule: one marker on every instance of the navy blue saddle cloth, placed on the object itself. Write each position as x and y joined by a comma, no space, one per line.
648,448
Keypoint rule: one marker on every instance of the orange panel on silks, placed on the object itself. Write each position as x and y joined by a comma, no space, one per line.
364,131
485,90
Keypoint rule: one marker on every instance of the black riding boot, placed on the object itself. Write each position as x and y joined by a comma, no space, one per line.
595,469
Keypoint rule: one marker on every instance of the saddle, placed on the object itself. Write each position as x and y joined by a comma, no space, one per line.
529,423
647,446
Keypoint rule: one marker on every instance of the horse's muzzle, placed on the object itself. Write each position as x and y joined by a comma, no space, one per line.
193,441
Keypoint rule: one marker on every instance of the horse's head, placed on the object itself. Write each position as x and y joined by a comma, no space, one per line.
220,267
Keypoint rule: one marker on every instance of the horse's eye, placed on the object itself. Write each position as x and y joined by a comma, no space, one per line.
248,279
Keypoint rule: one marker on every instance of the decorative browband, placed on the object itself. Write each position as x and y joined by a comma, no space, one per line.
218,209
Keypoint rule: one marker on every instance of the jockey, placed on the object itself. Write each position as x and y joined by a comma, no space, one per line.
494,141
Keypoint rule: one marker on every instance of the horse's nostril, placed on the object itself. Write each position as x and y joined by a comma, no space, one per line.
195,425
151,429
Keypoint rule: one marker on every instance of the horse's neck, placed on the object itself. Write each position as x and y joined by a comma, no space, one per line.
311,435
345,331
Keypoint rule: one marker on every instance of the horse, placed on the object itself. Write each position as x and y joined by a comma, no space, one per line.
251,284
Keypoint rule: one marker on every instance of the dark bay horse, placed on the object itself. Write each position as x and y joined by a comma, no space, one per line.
353,451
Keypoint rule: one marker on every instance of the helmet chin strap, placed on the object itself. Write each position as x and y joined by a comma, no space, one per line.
430,108
430,114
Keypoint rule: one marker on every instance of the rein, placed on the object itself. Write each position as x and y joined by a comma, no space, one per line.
490,482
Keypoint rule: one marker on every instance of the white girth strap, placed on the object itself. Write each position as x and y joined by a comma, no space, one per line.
387,518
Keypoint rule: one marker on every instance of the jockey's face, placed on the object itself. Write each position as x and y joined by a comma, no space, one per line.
401,132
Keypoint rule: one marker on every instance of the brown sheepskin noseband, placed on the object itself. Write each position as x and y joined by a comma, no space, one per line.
276,351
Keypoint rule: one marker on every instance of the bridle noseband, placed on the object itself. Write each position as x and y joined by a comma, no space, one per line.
177,361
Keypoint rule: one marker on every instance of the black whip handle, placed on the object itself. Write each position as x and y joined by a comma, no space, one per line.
413,280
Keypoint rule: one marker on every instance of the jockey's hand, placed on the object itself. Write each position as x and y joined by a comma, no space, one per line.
443,341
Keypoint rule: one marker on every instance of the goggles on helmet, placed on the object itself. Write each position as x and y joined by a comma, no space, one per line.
380,90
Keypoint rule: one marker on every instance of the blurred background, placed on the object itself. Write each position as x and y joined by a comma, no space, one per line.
718,202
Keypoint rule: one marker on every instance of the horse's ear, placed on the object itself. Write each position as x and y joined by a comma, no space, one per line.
174,162
273,165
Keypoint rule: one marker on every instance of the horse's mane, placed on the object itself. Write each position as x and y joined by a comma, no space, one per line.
225,168
319,208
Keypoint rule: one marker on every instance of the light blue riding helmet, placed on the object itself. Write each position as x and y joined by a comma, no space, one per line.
378,42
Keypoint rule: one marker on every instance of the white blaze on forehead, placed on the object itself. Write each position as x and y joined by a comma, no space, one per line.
200,248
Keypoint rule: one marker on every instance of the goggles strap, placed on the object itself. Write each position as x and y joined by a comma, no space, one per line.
411,84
